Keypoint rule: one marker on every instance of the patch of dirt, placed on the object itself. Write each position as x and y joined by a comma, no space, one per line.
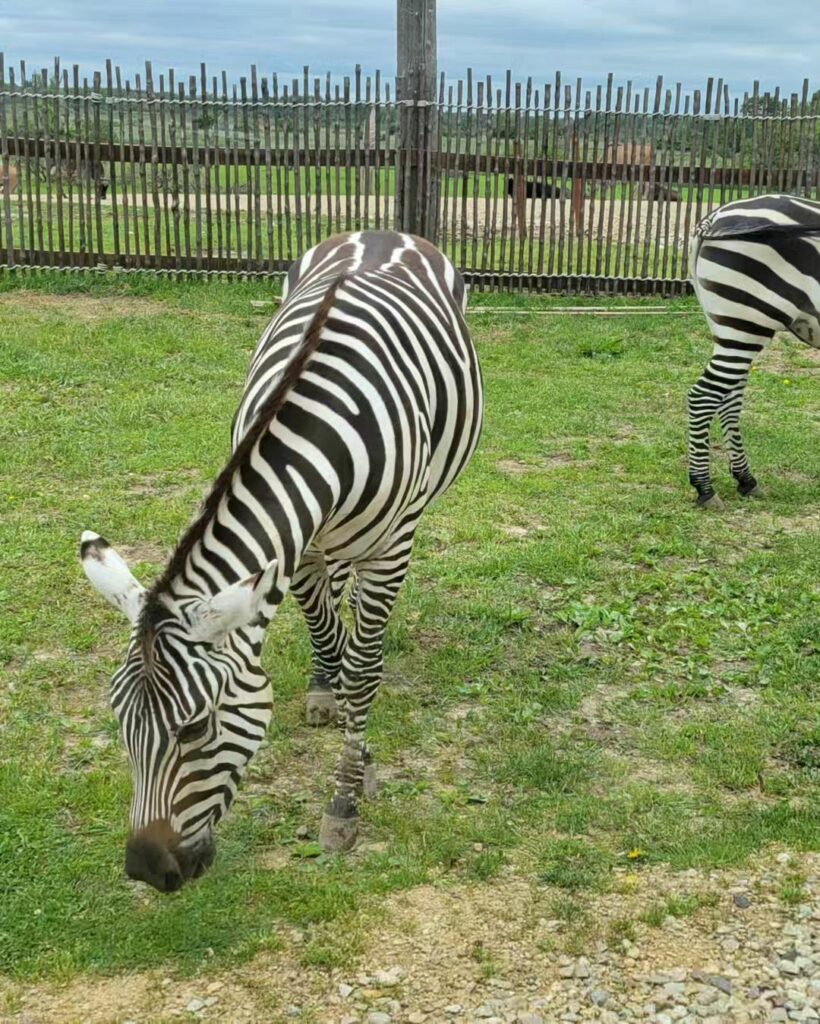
504,949
156,486
519,532
806,523
86,309
144,552
785,355
514,467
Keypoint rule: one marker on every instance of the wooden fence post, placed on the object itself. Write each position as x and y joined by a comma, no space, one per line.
417,159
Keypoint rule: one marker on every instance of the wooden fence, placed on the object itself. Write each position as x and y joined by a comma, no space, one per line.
556,188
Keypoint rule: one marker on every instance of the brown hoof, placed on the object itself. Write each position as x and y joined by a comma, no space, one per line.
320,708
370,782
715,503
338,835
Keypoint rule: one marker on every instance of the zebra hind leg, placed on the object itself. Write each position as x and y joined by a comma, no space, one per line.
729,414
378,585
703,403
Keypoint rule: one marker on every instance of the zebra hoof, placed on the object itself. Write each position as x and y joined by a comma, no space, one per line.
370,782
714,503
320,708
338,835
755,492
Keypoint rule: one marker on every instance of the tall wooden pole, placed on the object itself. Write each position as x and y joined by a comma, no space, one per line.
417,160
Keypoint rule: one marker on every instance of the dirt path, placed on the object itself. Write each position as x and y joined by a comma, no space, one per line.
609,219
717,947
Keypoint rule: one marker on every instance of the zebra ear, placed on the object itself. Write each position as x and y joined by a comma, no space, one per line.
238,606
110,575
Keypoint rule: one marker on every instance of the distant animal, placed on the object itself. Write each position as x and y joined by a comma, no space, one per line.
641,157
12,179
535,189
363,403
756,271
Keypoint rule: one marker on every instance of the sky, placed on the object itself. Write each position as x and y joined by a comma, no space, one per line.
685,40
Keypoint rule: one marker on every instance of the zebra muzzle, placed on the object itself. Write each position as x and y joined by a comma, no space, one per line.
155,856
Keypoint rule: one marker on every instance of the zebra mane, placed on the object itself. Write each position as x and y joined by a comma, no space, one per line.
154,609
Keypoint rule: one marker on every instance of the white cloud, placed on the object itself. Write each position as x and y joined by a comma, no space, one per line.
686,40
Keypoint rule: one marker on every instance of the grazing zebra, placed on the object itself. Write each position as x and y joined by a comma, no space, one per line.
363,403
756,271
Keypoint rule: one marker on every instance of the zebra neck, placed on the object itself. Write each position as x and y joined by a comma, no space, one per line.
267,511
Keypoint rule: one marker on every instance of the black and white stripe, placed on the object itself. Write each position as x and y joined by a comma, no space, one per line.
756,271
363,403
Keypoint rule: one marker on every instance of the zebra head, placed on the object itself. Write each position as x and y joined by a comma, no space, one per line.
193,705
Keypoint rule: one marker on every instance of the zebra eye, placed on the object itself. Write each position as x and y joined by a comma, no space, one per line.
193,730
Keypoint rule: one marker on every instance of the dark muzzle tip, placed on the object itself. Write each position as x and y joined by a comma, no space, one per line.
172,881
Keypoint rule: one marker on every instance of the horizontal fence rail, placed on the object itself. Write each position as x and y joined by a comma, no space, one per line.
560,188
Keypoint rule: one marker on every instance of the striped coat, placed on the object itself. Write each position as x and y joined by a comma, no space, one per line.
363,404
756,271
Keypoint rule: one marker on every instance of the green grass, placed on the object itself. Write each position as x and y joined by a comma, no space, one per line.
582,664
677,906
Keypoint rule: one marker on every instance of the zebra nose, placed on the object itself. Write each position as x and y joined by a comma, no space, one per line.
149,858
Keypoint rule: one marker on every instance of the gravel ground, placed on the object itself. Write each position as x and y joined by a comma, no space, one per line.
495,954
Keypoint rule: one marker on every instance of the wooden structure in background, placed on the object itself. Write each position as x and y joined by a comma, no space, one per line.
552,188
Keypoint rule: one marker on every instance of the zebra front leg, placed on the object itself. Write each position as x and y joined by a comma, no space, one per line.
378,584
319,595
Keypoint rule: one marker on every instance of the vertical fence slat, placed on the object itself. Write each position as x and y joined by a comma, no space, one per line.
297,167
266,130
186,171
112,163
194,112
237,177
156,206
143,170
316,111
18,159
5,170
98,180
218,166
465,179
250,174
356,147
48,174
25,176
225,164
377,142
304,113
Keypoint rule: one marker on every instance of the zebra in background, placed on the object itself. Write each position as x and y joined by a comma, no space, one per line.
756,271
363,403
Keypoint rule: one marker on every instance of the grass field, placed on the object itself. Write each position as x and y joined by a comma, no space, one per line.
584,672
